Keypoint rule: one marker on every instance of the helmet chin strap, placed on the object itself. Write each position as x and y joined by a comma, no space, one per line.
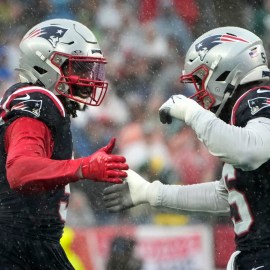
224,100
228,92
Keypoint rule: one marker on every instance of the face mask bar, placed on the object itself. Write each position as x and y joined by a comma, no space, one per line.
82,78
198,77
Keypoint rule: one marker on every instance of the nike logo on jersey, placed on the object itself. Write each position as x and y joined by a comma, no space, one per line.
26,97
259,91
257,267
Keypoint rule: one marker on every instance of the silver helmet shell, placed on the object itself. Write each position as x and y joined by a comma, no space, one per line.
62,54
224,57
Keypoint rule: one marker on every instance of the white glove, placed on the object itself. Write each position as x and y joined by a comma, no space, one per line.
180,107
141,191
134,191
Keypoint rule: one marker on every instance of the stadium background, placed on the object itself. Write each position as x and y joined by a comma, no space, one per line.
144,42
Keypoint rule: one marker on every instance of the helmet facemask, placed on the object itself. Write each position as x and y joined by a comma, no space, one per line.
198,78
82,78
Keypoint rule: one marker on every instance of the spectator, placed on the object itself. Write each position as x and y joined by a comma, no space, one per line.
122,255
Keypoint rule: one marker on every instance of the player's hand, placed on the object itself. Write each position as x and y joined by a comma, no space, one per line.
134,191
180,107
117,197
103,166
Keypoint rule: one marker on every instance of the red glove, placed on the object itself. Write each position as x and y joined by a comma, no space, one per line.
104,167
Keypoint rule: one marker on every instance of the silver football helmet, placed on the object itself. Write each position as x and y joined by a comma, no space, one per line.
220,60
64,56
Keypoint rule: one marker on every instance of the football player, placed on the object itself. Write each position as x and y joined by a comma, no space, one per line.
230,113
61,71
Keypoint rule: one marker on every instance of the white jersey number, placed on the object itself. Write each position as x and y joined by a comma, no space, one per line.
241,216
244,220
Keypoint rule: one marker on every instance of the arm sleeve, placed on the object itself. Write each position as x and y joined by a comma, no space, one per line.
29,146
205,197
246,147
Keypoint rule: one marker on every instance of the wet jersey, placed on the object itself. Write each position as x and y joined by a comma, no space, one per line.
34,215
249,191
244,188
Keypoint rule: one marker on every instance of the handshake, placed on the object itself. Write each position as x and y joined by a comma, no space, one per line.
136,190
102,166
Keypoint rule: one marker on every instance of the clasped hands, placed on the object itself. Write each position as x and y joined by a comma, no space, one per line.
135,189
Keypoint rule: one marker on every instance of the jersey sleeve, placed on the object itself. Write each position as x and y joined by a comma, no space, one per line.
29,146
246,147
204,197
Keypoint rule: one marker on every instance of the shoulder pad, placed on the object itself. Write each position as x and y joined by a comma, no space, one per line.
252,104
33,101
25,97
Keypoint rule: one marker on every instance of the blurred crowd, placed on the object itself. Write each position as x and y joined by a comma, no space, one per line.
144,42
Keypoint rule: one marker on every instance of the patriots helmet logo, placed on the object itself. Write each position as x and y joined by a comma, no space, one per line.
257,104
205,45
51,33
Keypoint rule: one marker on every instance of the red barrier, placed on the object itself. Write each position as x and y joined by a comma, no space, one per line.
162,247
223,244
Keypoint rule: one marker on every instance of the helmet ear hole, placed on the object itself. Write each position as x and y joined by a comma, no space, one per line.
223,76
40,70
